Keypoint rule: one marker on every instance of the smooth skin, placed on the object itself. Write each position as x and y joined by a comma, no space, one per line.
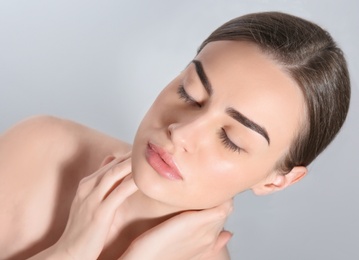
190,125
39,222
43,160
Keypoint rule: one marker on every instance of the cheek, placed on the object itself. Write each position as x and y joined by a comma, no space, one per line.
213,180
230,177
164,108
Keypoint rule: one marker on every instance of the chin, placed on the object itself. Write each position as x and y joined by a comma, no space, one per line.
172,194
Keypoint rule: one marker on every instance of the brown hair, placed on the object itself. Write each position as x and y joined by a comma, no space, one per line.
311,57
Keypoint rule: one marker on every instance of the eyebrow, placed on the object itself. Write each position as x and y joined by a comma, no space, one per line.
230,111
248,123
203,77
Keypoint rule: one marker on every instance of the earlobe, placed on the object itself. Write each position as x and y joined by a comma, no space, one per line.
280,181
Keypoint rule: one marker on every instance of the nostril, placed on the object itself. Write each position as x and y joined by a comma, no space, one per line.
170,130
178,135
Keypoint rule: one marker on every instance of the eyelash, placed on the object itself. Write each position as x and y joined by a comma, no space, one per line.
222,133
183,95
227,142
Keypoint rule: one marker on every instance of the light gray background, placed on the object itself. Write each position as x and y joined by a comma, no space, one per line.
103,62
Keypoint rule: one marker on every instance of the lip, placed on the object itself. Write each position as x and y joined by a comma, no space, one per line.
162,162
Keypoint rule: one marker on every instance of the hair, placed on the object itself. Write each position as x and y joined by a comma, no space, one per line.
310,56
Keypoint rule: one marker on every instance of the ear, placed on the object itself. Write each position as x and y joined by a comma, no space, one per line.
278,181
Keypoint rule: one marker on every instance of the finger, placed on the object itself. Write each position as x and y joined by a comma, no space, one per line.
107,160
88,183
222,240
111,179
210,221
217,213
118,196
98,175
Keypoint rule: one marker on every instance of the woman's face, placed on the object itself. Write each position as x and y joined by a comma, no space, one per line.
218,128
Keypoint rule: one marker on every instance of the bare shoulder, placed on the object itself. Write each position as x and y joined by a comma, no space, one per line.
48,127
42,160
34,140
44,145
56,138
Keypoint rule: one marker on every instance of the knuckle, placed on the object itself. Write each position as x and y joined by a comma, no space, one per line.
118,168
84,180
117,171
222,213
82,192
110,173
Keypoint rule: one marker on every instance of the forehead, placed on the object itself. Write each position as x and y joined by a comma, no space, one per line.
246,79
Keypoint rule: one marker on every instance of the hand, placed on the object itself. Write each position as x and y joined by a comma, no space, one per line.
93,210
189,235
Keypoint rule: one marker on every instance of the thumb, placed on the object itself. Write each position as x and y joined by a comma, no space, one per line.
222,240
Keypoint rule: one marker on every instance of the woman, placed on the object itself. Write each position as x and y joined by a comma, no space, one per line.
264,96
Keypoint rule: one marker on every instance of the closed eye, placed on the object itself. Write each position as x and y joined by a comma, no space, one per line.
227,142
187,98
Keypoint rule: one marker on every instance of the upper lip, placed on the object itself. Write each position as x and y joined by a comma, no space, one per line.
165,156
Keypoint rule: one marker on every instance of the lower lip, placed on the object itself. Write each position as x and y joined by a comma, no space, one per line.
161,167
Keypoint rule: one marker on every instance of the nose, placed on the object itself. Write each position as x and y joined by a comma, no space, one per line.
188,136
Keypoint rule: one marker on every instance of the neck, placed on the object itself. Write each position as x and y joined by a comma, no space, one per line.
139,206
136,215
143,213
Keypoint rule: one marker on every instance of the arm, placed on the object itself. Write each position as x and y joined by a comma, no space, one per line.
42,160
92,212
